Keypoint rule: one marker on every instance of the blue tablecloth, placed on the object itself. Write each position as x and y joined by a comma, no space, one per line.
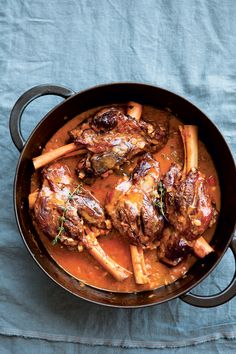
185,46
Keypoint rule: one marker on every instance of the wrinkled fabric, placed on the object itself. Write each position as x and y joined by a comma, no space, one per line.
186,46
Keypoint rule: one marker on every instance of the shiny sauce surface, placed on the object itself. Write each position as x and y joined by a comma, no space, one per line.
82,265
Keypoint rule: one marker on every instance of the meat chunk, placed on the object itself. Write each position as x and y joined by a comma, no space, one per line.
112,138
189,211
131,205
173,247
60,197
188,203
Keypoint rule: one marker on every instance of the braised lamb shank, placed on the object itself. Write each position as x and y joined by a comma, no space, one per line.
133,213
131,208
107,140
71,215
189,208
113,138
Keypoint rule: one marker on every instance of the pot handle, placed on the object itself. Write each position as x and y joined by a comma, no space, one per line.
217,299
22,103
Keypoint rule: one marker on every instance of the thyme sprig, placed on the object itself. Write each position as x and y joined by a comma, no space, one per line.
62,218
160,200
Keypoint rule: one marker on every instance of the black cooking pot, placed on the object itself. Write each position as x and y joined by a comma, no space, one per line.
76,103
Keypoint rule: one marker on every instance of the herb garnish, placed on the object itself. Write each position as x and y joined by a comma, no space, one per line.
62,218
159,202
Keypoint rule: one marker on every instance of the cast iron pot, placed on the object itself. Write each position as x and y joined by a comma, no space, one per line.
76,103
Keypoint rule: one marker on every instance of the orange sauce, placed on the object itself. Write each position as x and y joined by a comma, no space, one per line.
82,265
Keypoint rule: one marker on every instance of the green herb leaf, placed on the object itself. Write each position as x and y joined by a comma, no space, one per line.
160,200
62,218
55,240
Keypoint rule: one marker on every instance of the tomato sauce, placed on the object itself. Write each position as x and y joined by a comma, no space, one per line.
82,265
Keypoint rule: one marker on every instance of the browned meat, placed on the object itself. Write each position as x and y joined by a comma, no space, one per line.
60,197
70,214
188,203
131,205
188,209
173,247
112,138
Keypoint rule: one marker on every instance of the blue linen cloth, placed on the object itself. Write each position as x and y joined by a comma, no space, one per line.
185,46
